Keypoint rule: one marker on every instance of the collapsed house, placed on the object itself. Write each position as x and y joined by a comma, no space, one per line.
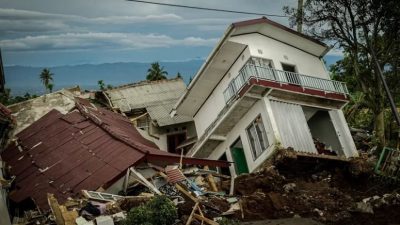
148,104
88,148
29,111
266,86
7,124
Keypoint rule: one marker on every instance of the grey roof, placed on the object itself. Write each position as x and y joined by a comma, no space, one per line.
157,97
29,111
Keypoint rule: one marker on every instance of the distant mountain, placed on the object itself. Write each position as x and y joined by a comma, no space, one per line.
22,79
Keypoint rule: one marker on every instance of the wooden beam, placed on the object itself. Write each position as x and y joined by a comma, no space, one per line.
185,192
189,221
144,181
211,180
204,219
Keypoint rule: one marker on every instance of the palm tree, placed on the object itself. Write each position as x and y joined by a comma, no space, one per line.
156,72
46,76
50,87
101,85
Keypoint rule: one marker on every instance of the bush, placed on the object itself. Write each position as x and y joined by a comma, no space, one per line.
226,221
159,211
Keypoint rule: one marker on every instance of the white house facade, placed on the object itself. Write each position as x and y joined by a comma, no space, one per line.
266,86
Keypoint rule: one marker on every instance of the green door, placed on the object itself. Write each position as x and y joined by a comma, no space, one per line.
240,160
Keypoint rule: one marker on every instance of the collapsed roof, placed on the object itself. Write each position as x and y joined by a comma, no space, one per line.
29,111
87,148
157,97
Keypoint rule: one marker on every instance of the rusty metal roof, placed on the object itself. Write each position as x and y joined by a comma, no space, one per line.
87,148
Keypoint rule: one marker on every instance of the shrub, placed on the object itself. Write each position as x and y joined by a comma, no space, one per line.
159,211
226,221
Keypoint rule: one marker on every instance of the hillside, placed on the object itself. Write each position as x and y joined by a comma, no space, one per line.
22,79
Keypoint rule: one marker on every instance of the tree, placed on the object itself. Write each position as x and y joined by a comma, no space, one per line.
50,87
101,85
156,72
361,28
46,76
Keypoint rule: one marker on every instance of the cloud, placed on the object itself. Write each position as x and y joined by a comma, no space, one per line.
17,21
91,40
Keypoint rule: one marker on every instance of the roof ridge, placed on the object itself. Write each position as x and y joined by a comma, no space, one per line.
85,111
144,82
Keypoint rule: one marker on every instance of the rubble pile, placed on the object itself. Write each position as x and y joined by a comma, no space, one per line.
287,186
327,191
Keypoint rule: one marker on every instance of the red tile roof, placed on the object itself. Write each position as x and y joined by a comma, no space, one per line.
87,148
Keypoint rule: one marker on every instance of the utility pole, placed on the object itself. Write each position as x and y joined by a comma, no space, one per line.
299,16
393,106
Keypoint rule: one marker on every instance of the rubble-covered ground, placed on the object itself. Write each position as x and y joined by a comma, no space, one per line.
328,191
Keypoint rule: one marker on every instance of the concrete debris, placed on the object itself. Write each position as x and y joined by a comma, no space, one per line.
289,187
327,191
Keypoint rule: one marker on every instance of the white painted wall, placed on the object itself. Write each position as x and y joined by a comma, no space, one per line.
264,47
240,131
216,102
279,53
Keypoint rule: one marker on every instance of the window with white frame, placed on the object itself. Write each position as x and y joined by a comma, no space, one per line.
257,137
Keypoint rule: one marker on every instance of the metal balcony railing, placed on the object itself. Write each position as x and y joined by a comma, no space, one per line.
282,77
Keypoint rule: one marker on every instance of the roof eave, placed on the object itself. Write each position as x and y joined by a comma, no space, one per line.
203,67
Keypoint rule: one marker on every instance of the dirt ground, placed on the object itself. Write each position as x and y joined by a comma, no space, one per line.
289,221
328,191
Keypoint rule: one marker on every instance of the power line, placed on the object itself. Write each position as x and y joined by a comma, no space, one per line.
209,9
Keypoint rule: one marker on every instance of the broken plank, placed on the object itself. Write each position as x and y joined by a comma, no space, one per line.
211,181
55,208
186,193
205,219
140,178
189,221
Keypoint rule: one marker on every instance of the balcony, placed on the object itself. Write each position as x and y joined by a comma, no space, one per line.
251,84
286,81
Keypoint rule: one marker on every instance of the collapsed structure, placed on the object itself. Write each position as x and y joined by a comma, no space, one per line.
263,87
7,124
266,86
88,148
148,104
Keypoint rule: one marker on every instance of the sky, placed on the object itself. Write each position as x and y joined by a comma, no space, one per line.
72,32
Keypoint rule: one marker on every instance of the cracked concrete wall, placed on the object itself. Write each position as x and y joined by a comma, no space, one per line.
31,110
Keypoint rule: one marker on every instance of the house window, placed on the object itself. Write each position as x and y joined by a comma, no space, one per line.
290,73
257,137
173,140
262,68
143,123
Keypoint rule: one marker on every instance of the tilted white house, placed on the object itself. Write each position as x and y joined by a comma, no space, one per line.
265,85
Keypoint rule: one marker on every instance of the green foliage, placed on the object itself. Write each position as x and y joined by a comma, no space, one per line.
156,72
50,87
159,211
46,77
226,221
101,85
7,99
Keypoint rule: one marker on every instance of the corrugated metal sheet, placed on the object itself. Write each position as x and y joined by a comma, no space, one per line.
293,128
161,114
158,97
343,132
83,149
